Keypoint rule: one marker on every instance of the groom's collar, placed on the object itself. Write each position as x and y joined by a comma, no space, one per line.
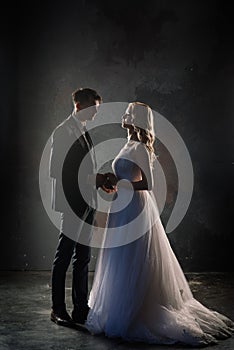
79,124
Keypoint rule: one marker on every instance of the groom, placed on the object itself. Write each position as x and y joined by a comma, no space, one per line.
72,145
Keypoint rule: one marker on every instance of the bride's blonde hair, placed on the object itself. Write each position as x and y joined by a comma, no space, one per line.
143,125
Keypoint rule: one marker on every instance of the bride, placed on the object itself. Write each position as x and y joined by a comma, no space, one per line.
139,291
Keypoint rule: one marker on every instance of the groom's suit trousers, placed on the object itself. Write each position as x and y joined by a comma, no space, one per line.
68,251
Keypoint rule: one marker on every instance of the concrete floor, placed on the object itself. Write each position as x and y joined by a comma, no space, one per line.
25,310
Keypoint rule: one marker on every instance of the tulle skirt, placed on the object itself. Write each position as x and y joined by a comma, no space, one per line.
139,291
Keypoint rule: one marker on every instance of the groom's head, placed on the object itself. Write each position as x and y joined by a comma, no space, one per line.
86,100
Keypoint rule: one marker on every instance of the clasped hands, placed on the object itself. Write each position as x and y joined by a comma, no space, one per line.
107,182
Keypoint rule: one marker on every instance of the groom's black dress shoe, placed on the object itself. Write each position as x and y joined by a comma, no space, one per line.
61,318
80,316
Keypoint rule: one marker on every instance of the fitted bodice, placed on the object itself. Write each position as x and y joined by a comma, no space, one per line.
125,166
126,169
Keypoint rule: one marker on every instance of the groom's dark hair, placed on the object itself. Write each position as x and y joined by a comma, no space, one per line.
84,95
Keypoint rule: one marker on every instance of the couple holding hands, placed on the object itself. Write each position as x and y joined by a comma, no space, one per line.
139,291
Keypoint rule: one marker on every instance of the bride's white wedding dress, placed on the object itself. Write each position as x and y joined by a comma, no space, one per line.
139,291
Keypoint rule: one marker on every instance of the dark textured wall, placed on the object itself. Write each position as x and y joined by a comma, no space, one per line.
176,56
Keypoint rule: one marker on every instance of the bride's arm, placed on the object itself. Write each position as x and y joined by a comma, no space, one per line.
142,159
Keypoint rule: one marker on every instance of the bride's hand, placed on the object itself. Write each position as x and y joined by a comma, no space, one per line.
109,185
109,190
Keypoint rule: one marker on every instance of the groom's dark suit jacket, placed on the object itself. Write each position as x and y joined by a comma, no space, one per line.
69,148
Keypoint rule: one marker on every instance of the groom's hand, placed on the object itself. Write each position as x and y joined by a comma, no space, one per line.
110,184
100,180
107,182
